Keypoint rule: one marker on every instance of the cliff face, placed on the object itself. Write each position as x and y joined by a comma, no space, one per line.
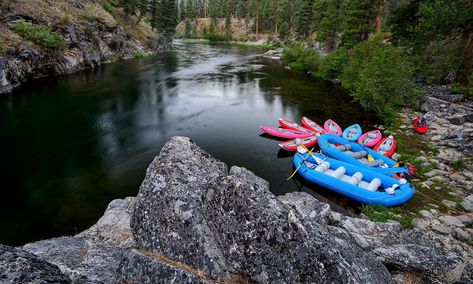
92,35
195,221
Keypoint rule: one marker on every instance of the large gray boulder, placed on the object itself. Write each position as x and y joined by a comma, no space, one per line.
147,267
190,210
265,239
82,261
168,215
423,255
19,266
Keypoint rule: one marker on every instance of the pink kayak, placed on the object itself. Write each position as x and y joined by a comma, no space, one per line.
285,133
292,145
312,125
293,126
370,138
332,127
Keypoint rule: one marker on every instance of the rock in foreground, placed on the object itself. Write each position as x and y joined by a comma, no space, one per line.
195,222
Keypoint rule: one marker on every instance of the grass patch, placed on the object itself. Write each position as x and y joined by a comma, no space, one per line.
3,46
42,35
140,54
107,6
378,213
458,164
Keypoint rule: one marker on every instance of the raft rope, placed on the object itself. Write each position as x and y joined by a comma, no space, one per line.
300,164
309,154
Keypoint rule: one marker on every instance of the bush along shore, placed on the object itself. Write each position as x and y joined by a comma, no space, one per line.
42,38
196,221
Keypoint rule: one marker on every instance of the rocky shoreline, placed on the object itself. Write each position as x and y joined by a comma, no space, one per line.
195,221
93,36
449,175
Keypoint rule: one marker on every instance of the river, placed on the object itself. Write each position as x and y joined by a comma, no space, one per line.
71,144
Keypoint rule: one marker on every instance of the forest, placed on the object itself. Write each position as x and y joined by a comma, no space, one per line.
378,49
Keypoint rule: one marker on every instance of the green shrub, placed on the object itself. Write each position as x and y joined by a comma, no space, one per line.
139,54
458,164
107,6
301,58
441,60
66,20
332,64
41,34
469,89
380,78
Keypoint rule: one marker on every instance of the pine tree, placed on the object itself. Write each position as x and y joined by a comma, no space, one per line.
167,18
182,11
360,16
228,27
328,22
304,18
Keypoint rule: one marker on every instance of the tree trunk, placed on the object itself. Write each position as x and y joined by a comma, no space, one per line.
257,20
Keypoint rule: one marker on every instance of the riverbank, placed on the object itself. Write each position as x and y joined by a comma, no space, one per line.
40,38
196,221
444,160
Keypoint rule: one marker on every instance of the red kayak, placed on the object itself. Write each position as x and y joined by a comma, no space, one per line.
387,146
285,133
312,125
293,126
292,145
421,125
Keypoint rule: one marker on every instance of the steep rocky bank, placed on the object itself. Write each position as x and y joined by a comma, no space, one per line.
195,221
92,35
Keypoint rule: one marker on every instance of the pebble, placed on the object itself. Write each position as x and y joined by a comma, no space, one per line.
449,203
451,221
421,223
465,218
436,179
468,203
468,175
435,172
460,234
434,212
434,206
421,159
426,214
442,229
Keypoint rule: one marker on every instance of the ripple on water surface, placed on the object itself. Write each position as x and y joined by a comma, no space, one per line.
71,144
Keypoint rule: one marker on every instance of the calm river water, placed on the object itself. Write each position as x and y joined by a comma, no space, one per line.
71,144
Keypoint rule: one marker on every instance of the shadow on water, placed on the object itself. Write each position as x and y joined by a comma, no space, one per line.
71,144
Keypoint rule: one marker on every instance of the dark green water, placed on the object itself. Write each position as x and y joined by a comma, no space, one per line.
71,144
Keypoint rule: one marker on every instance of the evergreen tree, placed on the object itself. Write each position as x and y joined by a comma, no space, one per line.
304,18
167,18
360,16
228,27
328,22
182,11
190,11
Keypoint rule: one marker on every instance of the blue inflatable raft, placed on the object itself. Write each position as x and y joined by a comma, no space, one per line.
352,132
354,182
356,154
